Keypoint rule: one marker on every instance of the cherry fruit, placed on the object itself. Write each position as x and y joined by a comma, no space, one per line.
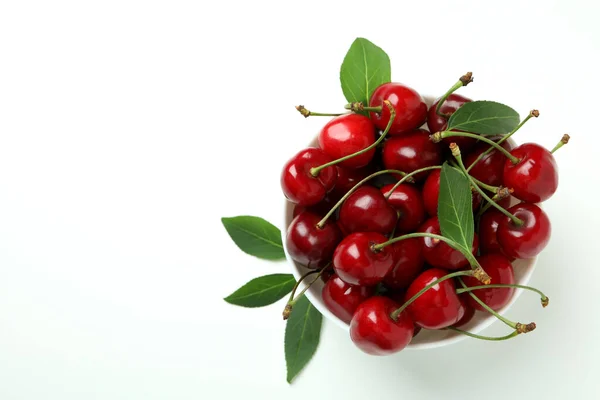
299,185
440,254
535,177
488,232
529,239
309,245
469,311
409,263
408,203
437,123
499,268
342,299
490,168
357,263
437,308
366,210
373,330
410,152
345,135
411,110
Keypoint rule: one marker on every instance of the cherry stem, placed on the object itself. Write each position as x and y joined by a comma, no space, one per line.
394,315
456,154
463,81
359,106
544,298
308,113
477,272
322,222
408,176
446,134
564,140
485,185
532,113
293,299
315,171
491,338
521,328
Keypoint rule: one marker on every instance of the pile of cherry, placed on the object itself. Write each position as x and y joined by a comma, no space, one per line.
366,217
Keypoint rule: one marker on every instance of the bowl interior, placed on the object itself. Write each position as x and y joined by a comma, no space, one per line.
426,338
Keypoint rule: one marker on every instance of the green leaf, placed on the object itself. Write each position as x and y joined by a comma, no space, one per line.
365,67
302,334
262,291
455,208
484,118
255,236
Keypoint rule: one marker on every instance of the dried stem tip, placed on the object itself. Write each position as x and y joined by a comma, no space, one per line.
482,276
522,328
565,139
455,150
436,137
466,78
545,302
287,311
303,111
357,106
534,113
503,193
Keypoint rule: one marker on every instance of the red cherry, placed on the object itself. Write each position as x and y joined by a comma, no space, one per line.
469,311
408,203
440,254
342,299
488,229
437,123
535,177
366,210
374,332
345,135
299,186
355,262
410,152
321,208
409,263
327,274
529,239
437,308
490,168
500,270
309,245
411,110
346,180
431,193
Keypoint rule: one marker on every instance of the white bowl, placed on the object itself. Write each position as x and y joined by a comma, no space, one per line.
426,339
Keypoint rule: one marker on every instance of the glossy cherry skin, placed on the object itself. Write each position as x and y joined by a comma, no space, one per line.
490,169
342,299
469,311
535,177
437,123
437,308
431,194
411,110
410,152
409,263
439,254
366,210
355,262
488,229
408,203
528,240
299,186
347,134
309,245
500,270
374,332
321,208
346,180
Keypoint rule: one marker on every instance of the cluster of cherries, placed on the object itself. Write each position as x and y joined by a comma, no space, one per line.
367,205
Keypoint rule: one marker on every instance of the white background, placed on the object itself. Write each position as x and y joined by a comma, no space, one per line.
127,129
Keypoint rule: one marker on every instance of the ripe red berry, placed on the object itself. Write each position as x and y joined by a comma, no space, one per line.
411,151
342,299
500,270
437,123
409,263
309,245
373,330
490,169
408,203
440,254
345,135
529,239
411,110
366,210
298,184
